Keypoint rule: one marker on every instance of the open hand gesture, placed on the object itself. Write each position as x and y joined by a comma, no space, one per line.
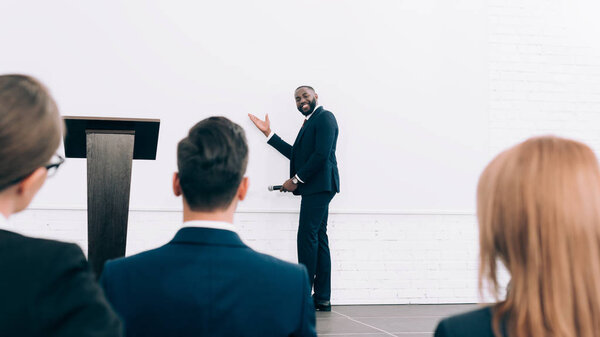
263,126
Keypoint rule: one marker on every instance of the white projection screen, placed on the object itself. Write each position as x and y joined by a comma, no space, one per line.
406,80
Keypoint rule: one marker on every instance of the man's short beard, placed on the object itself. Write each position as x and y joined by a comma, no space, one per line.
312,105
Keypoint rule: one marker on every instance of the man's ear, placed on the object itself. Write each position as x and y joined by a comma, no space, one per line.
243,189
317,96
176,185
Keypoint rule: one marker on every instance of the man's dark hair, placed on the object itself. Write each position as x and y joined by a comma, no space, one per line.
305,86
212,161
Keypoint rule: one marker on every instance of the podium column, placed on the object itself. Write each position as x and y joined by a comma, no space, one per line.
109,144
109,158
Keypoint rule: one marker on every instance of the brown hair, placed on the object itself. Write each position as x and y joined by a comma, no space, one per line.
212,161
538,207
30,127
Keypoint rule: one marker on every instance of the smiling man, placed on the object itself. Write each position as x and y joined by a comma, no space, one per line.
314,176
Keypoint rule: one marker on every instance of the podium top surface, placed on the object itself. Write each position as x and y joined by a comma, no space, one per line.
145,130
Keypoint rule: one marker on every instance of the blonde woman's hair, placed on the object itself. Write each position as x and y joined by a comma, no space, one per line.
30,127
538,207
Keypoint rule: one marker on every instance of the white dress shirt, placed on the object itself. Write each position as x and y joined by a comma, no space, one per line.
210,224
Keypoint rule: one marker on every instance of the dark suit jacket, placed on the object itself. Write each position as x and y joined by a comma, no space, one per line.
48,289
477,323
207,282
312,157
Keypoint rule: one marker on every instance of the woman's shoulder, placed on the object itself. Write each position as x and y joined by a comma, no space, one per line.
28,253
473,323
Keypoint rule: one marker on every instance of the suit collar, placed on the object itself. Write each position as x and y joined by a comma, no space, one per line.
317,110
207,236
312,113
307,123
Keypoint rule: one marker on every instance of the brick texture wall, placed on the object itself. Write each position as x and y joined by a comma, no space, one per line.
376,258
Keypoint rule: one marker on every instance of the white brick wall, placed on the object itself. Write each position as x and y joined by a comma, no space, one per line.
376,258
540,82
543,78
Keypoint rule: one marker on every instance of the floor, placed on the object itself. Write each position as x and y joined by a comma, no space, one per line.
385,320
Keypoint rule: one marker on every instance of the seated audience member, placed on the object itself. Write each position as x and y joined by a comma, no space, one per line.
46,287
206,281
538,207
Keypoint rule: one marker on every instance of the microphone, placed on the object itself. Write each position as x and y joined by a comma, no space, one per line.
274,188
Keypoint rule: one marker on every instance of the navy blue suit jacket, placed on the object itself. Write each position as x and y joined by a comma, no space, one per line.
312,157
476,323
207,282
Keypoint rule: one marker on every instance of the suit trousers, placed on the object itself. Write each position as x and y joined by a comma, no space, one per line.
313,243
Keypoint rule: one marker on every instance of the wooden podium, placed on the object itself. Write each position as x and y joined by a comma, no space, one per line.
110,145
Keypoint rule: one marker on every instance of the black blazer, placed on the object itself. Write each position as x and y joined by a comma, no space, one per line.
48,289
207,282
477,323
312,157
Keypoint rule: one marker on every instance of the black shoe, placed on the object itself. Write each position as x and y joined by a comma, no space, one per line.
322,306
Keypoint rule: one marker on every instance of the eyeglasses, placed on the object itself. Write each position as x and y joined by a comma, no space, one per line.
54,165
51,169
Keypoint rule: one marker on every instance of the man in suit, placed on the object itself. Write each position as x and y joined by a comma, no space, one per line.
46,287
314,176
206,281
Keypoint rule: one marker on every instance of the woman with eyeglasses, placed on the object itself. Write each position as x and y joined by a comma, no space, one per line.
46,287
538,208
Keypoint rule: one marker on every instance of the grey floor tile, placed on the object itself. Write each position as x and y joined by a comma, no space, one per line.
402,324
366,334
385,320
325,314
341,325
403,310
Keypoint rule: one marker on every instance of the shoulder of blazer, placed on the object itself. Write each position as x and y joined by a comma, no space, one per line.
321,118
292,271
41,259
473,323
326,115
25,246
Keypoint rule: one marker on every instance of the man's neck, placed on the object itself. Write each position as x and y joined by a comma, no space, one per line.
225,215
205,216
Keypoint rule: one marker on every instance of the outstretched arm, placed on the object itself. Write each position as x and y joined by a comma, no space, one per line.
281,145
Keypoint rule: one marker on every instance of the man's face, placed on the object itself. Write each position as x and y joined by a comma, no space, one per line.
306,100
